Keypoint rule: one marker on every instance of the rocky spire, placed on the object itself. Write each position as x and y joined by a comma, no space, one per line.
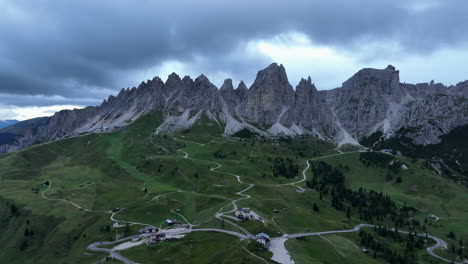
305,86
230,96
173,80
269,96
227,85
371,100
271,74
241,90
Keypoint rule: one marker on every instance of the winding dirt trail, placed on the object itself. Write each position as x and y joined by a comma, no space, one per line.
280,254
219,215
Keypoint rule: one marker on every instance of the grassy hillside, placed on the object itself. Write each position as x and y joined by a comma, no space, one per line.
452,150
150,176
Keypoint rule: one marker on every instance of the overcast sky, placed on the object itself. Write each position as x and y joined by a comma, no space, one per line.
64,54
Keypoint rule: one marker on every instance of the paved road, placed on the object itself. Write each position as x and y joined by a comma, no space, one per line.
113,254
112,218
430,250
95,246
234,233
304,177
220,214
280,253
179,231
356,228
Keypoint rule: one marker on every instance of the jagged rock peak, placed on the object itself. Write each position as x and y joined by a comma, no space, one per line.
242,86
203,80
143,83
186,79
383,79
157,79
305,85
227,85
241,90
122,91
157,82
202,77
272,72
173,80
371,100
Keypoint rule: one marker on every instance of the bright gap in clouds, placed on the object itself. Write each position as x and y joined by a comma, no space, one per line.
329,67
301,57
23,113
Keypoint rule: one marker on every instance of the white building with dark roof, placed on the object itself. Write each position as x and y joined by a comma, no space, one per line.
243,213
263,239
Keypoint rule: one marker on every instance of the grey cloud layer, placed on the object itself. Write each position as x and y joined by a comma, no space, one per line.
76,48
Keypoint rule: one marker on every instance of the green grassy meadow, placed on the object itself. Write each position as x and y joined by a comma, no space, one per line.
148,176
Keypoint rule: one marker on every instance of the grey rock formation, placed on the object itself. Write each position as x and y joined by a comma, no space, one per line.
371,100
269,97
312,112
461,89
364,100
375,100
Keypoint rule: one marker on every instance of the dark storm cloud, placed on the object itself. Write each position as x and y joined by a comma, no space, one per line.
75,49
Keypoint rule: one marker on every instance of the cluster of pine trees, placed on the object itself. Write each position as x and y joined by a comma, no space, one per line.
411,243
370,206
219,154
374,207
382,160
375,159
285,167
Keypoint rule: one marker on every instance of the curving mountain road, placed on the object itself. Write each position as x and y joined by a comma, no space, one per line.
279,254
112,253
220,214
234,233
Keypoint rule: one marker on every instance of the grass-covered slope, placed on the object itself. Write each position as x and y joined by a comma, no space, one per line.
151,176
452,150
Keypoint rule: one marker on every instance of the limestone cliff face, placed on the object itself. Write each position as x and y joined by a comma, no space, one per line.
312,112
375,100
364,100
425,119
371,100
269,96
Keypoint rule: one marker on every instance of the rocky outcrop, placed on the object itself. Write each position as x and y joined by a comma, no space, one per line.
375,100
365,100
461,89
269,97
312,112
371,100
425,120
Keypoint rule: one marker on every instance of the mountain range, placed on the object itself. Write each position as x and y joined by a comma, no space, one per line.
6,123
371,101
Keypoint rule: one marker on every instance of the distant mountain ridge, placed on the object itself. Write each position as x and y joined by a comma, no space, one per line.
6,123
371,100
